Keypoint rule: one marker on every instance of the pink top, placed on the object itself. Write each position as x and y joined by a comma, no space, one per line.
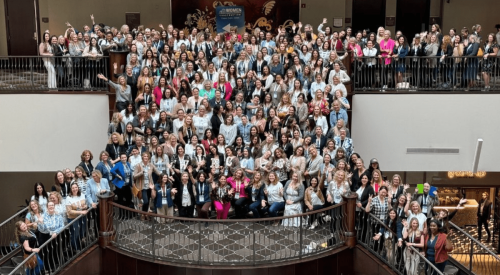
389,45
356,51
232,182
158,95
228,89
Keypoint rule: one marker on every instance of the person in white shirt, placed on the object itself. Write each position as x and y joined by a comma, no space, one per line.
195,100
319,84
344,78
178,122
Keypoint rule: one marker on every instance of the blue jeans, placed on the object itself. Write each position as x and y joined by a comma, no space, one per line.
146,194
77,231
255,207
275,207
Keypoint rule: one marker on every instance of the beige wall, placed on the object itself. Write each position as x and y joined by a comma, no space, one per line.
3,30
426,121
316,10
457,14
110,12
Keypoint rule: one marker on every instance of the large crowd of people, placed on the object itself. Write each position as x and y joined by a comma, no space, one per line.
241,125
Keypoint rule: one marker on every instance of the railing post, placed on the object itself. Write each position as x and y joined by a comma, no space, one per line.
350,210
471,253
106,230
253,230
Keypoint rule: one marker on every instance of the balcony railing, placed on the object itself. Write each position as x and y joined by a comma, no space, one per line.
56,253
413,74
8,243
387,249
472,254
246,242
58,73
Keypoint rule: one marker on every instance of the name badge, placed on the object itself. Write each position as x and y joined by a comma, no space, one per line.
275,95
424,209
202,198
237,195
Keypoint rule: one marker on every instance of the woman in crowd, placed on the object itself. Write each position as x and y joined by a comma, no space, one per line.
86,163
35,212
413,210
413,237
222,194
293,195
490,52
46,49
163,196
389,235
184,198
40,194
202,193
76,205
314,200
143,175
29,244
240,201
255,190
436,247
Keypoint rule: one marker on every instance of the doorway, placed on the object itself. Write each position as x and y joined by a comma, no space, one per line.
412,17
368,15
21,18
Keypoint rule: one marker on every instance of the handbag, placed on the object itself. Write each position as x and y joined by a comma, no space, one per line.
32,262
480,52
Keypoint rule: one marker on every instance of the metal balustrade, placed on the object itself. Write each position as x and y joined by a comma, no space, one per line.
57,73
413,74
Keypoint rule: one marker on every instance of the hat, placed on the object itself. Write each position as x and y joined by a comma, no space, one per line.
373,160
417,35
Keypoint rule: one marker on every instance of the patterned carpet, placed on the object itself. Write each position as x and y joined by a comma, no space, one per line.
235,243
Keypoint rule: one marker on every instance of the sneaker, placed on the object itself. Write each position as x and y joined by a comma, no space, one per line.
311,227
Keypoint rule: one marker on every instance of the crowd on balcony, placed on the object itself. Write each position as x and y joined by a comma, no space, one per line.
255,122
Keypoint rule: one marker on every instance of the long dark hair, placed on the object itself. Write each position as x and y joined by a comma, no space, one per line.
44,193
97,45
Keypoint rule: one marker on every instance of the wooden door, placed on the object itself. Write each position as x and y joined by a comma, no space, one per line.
368,14
22,26
412,17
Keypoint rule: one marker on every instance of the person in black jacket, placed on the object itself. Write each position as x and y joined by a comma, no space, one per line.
60,50
114,147
184,199
216,119
483,216
365,191
255,192
416,51
446,61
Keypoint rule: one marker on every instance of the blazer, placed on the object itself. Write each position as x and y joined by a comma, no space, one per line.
347,145
366,194
322,142
118,173
139,174
440,250
394,199
228,89
259,196
104,171
180,191
114,151
356,179
212,102
486,210
277,91
93,191
87,168
431,202
313,166
207,190
159,198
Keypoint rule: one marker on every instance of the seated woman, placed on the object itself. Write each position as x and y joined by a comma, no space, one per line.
29,243
293,195
163,194
256,191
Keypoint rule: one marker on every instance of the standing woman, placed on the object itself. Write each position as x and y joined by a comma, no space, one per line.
143,175
377,181
61,186
232,163
357,174
123,91
222,194
203,190
490,53
45,49
94,54
29,243
413,210
314,200
413,237
184,198
86,164
34,214
281,165
50,225
388,236
228,129
436,246
293,195
163,194
247,163
239,182
40,194
105,165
